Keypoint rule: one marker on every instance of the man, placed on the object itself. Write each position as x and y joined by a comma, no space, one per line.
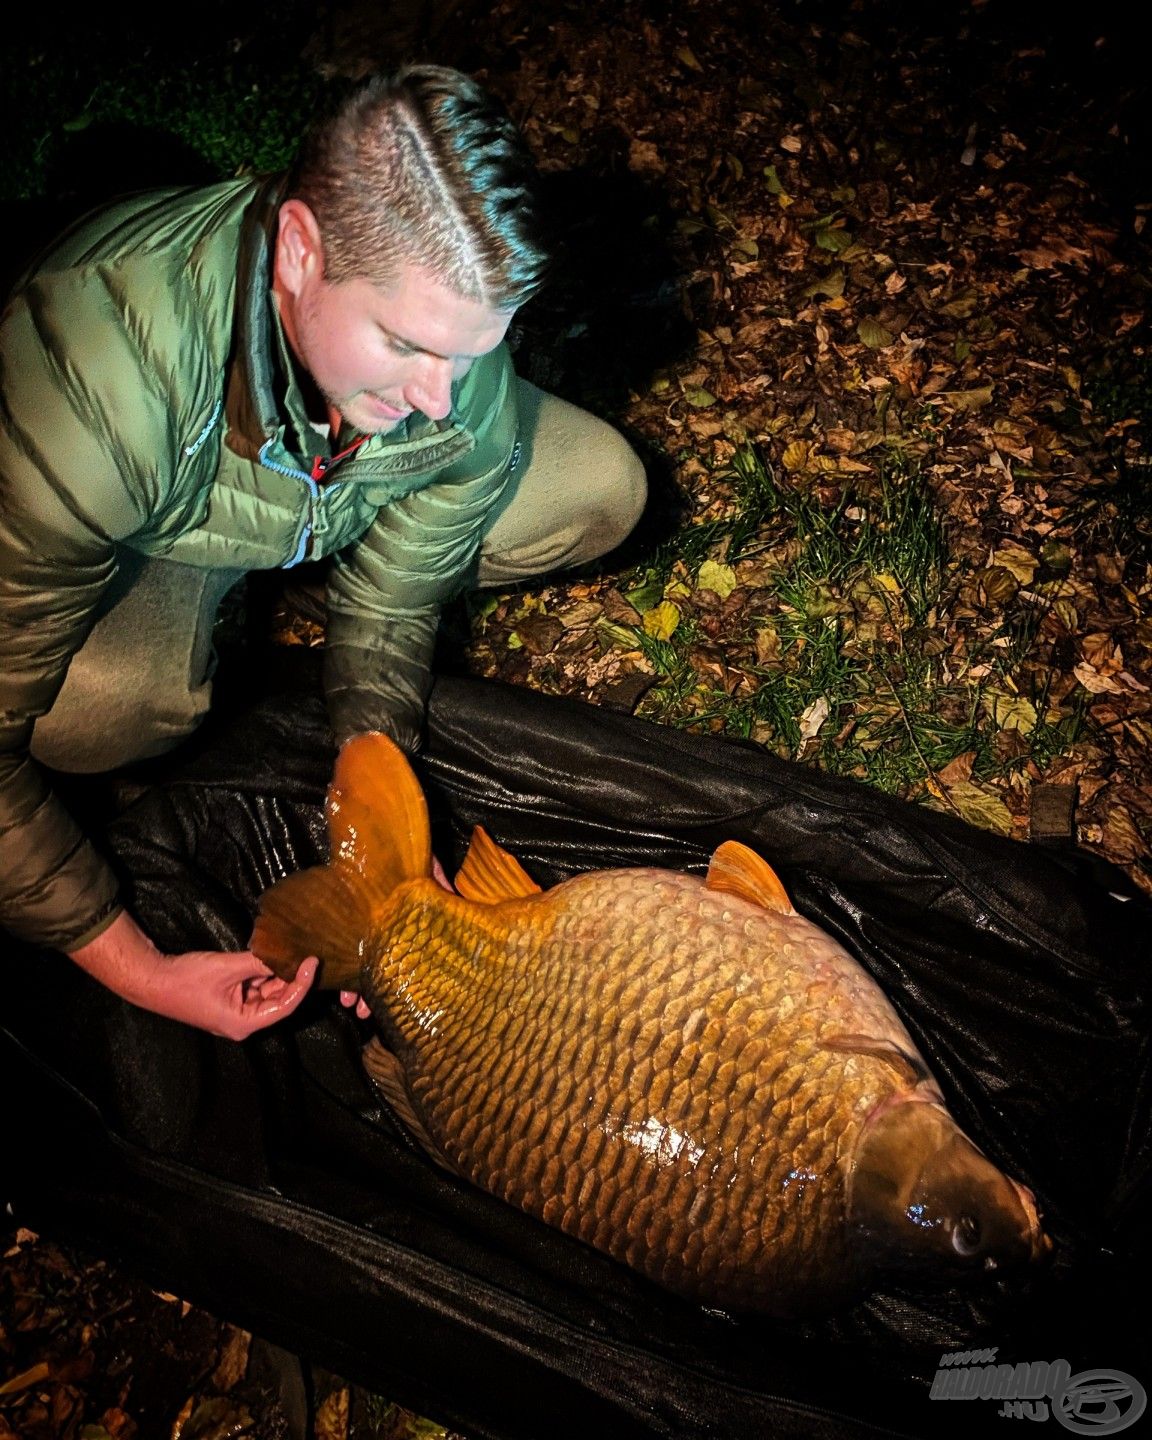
202,382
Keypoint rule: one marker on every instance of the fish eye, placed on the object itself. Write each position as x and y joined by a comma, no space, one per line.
966,1235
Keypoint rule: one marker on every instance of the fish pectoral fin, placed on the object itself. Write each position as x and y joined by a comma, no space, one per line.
489,874
737,870
907,1064
386,1073
314,912
377,816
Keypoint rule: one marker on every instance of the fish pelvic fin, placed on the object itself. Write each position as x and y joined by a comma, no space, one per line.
489,874
378,837
736,870
387,1074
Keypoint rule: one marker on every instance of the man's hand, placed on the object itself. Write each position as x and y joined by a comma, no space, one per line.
231,994
350,997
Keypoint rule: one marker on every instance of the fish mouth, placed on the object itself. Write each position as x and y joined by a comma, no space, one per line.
1041,1247
923,1194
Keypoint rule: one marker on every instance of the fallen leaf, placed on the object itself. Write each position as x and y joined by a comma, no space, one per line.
661,621
1009,712
830,285
618,634
715,576
1095,682
813,718
957,771
796,455
967,399
331,1422
1052,253
767,645
980,806
1102,652
1022,563
874,335
32,1376
1121,837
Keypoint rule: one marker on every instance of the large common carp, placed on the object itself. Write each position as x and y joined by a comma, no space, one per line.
680,1071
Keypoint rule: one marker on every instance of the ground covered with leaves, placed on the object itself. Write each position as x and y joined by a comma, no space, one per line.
908,413
867,285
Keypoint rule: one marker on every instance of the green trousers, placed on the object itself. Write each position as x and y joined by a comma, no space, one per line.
142,681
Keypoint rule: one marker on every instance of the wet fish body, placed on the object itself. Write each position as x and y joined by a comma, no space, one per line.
680,1071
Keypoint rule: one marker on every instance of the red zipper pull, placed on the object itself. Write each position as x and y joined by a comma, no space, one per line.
321,464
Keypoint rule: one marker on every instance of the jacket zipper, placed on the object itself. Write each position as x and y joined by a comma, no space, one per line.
316,523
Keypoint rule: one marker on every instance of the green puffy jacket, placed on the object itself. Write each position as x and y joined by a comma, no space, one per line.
148,402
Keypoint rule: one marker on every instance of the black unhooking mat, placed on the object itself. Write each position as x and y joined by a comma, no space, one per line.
264,1181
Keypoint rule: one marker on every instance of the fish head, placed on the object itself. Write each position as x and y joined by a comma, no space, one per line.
923,1195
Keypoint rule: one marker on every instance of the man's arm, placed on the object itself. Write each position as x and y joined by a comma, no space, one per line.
386,591
75,483
231,994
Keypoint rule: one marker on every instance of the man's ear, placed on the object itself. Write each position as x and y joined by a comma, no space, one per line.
299,248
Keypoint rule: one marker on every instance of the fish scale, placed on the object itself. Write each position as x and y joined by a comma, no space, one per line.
678,1070
617,1098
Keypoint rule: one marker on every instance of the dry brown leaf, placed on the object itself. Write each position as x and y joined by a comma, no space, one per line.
1093,681
1102,652
1054,252
957,771
1121,839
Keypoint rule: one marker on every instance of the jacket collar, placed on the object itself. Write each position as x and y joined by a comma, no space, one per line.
264,407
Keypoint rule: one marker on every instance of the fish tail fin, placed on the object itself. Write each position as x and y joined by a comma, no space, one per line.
378,836
315,912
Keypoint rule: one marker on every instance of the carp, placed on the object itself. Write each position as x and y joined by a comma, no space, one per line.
681,1071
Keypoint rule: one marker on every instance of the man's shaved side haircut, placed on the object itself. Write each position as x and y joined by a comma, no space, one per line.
423,166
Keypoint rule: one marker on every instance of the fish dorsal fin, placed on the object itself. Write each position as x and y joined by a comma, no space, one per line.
489,874
907,1064
378,837
387,1074
739,871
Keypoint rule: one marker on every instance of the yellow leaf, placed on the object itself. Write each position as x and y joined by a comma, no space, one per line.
1009,712
661,621
796,455
980,807
698,397
1021,562
1068,614
767,645
686,57
618,634
714,576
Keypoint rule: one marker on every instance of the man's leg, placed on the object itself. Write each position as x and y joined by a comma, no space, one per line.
581,489
141,682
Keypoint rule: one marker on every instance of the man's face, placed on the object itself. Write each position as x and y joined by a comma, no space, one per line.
377,353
